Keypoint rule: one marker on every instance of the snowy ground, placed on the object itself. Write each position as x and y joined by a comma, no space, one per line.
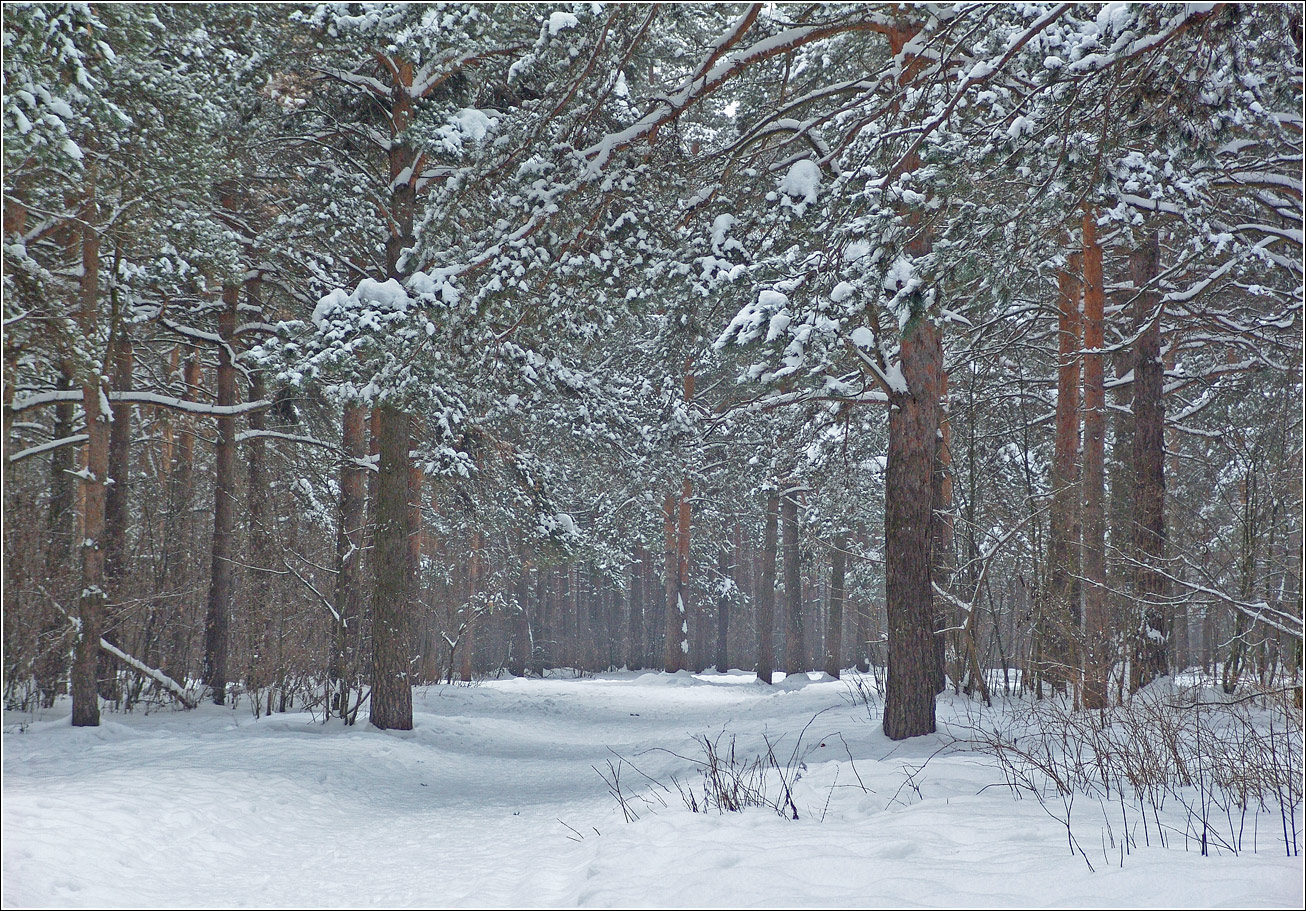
494,800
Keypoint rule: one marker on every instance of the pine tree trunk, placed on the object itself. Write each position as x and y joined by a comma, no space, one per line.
1059,629
1149,658
672,658
51,663
1097,651
941,542
217,618
258,493
392,695
909,512
115,498
349,556
90,607
795,646
724,568
766,591
468,640
834,616
115,503
635,636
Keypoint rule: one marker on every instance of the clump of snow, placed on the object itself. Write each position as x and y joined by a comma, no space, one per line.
561,20
801,184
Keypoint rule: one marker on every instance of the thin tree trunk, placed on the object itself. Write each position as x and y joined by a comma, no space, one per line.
1097,657
51,663
795,646
834,617
1149,658
766,591
115,498
941,542
635,635
90,608
349,557
217,618
469,617
676,626
724,568
259,607
1060,624
392,695
115,503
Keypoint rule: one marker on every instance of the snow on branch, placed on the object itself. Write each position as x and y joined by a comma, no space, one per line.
153,673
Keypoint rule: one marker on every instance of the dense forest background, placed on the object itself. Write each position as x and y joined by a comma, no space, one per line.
354,347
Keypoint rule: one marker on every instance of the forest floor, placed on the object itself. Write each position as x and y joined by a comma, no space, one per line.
496,799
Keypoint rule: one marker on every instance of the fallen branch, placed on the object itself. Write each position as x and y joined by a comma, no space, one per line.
153,673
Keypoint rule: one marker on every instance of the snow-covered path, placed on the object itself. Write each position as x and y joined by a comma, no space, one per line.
494,800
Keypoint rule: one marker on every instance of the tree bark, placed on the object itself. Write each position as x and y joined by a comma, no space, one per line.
1149,657
635,647
1059,629
673,658
51,663
349,557
795,646
725,570
766,591
909,513
90,607
217,618
1097,658
392,695
834,616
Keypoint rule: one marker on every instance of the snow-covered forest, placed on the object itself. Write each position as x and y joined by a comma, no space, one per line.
856,416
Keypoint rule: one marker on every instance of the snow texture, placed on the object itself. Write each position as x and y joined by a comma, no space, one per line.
493,800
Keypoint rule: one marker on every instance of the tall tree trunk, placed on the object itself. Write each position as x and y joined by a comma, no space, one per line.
90,607
766,591
725,570
115,497
909,513
469,617
1097,650
1149,657
635,635
349,557
795,646
677,627
521,622
1059,629
834,616
941,540
909,488
261,604
392,695
115,503
683,598
178,525
217,618
51,663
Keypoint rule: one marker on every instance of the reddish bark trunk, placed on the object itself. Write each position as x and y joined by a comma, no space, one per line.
392,696
349,556
1097,657
217,619
909,513
766,591
1149,657
795,645
90,606
1060,628
834,616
